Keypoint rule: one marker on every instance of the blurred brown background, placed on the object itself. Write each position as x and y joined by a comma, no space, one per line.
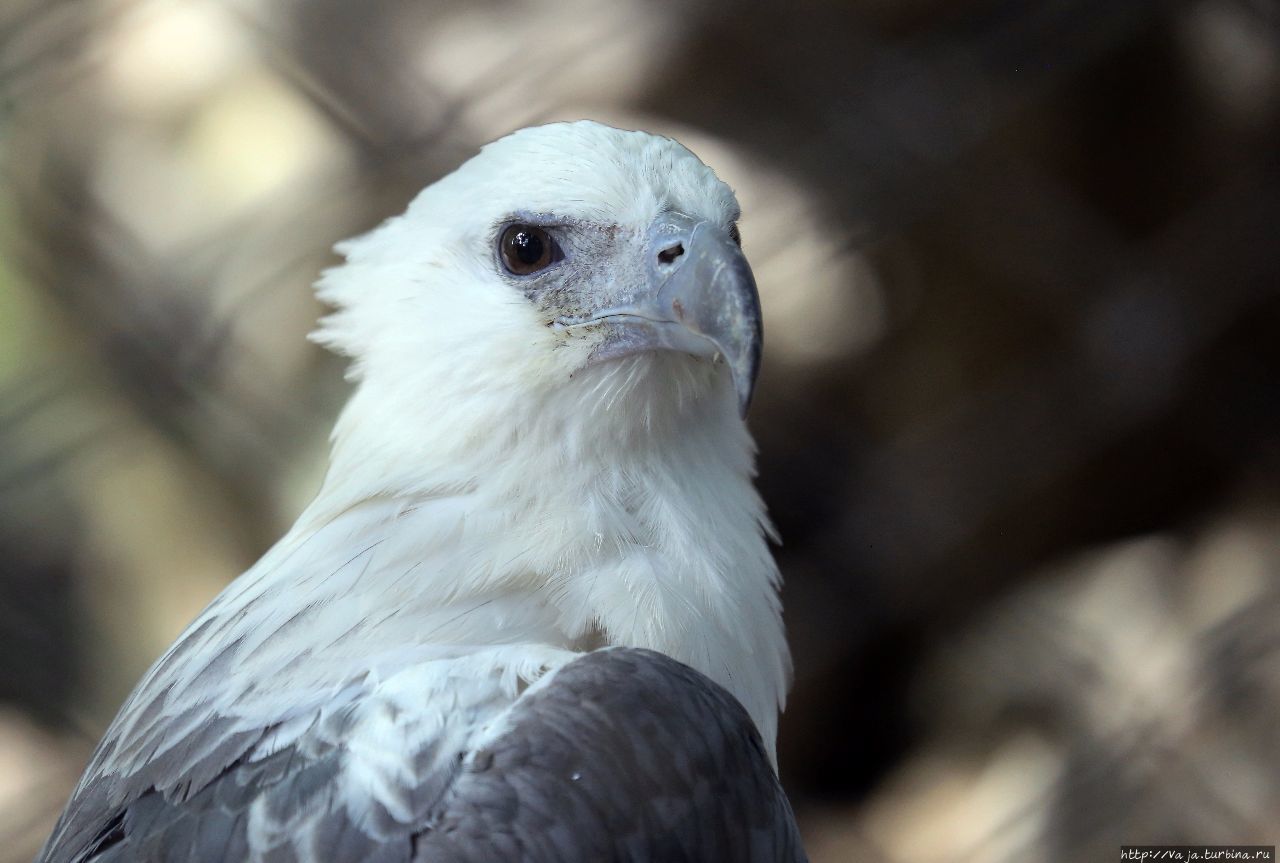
1019,419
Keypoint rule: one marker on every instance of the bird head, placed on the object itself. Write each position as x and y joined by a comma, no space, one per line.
571,268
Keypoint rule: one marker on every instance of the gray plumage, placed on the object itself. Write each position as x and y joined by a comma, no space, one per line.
627,755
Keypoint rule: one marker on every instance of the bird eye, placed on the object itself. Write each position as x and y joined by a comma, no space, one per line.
526,249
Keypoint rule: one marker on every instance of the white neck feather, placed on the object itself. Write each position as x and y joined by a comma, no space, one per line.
631,520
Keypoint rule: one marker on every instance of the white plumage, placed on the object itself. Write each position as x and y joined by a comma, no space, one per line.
497,504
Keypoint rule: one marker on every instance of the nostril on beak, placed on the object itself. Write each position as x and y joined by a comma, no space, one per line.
669,254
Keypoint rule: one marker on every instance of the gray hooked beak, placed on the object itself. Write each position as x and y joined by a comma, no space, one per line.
699,298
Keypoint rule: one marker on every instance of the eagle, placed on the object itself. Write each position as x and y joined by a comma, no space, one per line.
532,613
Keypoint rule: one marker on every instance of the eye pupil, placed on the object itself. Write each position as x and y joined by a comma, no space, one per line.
526,249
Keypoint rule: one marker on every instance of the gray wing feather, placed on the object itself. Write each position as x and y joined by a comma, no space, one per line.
626,755
629,756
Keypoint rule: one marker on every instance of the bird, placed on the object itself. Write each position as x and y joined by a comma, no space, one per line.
532,613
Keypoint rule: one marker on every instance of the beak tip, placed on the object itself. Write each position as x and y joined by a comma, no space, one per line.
744,376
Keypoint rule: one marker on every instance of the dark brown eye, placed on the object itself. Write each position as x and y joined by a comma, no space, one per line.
735,234
526,249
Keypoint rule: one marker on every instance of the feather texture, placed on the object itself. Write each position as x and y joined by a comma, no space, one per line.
496,507
620,755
